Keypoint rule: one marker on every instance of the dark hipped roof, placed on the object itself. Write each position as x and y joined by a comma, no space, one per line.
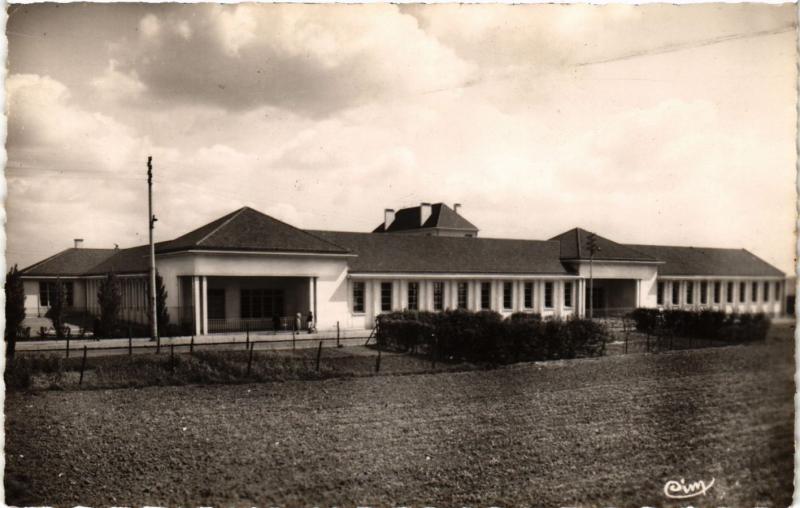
131,260
250,230
574,246
442,216
440,254
69,262
680,261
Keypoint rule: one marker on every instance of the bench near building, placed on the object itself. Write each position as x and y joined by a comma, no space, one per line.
249,270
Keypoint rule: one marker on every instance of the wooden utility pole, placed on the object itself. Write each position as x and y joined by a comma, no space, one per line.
152,222
591,242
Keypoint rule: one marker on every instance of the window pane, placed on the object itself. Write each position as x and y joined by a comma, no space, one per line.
44,295
438,296
486,295
386,296
568,294
358,296
676,293
704,292
717,291
529,295
689,292
413,296
660,293
765,292
548,295
742,292
754,292
730,292
462,295
508,296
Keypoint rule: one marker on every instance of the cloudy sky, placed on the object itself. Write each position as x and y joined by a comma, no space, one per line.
647,124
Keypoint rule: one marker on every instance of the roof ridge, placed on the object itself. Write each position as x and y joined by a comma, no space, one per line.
296,228
224,223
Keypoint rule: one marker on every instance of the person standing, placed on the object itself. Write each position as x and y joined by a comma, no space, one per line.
310,323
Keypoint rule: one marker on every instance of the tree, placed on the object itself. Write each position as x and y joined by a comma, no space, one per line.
57,299
109,298
161,306
15,309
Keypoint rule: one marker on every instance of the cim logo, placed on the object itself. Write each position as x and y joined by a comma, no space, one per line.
681,490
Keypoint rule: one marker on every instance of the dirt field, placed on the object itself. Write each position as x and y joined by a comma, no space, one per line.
605,431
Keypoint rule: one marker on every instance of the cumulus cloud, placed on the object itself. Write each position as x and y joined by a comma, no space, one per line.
311,59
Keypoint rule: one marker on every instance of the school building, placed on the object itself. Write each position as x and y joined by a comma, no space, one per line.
247,270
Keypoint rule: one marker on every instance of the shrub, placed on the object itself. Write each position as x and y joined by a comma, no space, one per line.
109,298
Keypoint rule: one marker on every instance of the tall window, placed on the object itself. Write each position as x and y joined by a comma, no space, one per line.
548,295
462,295
717,291
47,293
508,296
742,292
689,292
660,293
386,296
754,292
438,296
486,295
528,296
729,296
358,296
777,291
676,292
413,296
765,292
704,292
261,303
568,294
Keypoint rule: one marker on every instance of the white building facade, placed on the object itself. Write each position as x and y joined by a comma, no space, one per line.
248,271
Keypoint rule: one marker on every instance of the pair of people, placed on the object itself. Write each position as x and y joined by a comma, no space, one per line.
309,322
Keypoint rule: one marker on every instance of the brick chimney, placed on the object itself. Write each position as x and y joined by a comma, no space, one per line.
78,243
424,213
388,218
456,207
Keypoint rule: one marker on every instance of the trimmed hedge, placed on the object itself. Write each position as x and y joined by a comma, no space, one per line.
485,337
704,324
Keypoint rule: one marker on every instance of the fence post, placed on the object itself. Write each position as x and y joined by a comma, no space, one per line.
434,348
337,335
378,362
247,337
83,366
67,347
319,353
250,358
172,354
191,346
293,338
130,345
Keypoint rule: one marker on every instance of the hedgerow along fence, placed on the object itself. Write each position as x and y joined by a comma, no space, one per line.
486,337
670,328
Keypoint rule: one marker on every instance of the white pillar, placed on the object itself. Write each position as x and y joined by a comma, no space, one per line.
204,297
196,306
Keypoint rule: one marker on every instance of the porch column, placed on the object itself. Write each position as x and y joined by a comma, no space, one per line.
639,293
312,297
196,305
204,296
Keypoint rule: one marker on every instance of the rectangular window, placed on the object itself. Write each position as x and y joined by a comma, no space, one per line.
777,291
742,292
660,293
528,297
717,291
462,295
729,296
47,293
260,303
548,295
413,296
438,296
689,292
676,292
765,292
754,292
568,294
704,292
386,296
486,295
508,296
358,296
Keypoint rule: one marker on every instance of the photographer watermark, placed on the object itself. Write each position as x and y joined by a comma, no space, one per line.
674,489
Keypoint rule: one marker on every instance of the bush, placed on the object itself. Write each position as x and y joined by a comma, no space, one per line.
485,337
704,324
